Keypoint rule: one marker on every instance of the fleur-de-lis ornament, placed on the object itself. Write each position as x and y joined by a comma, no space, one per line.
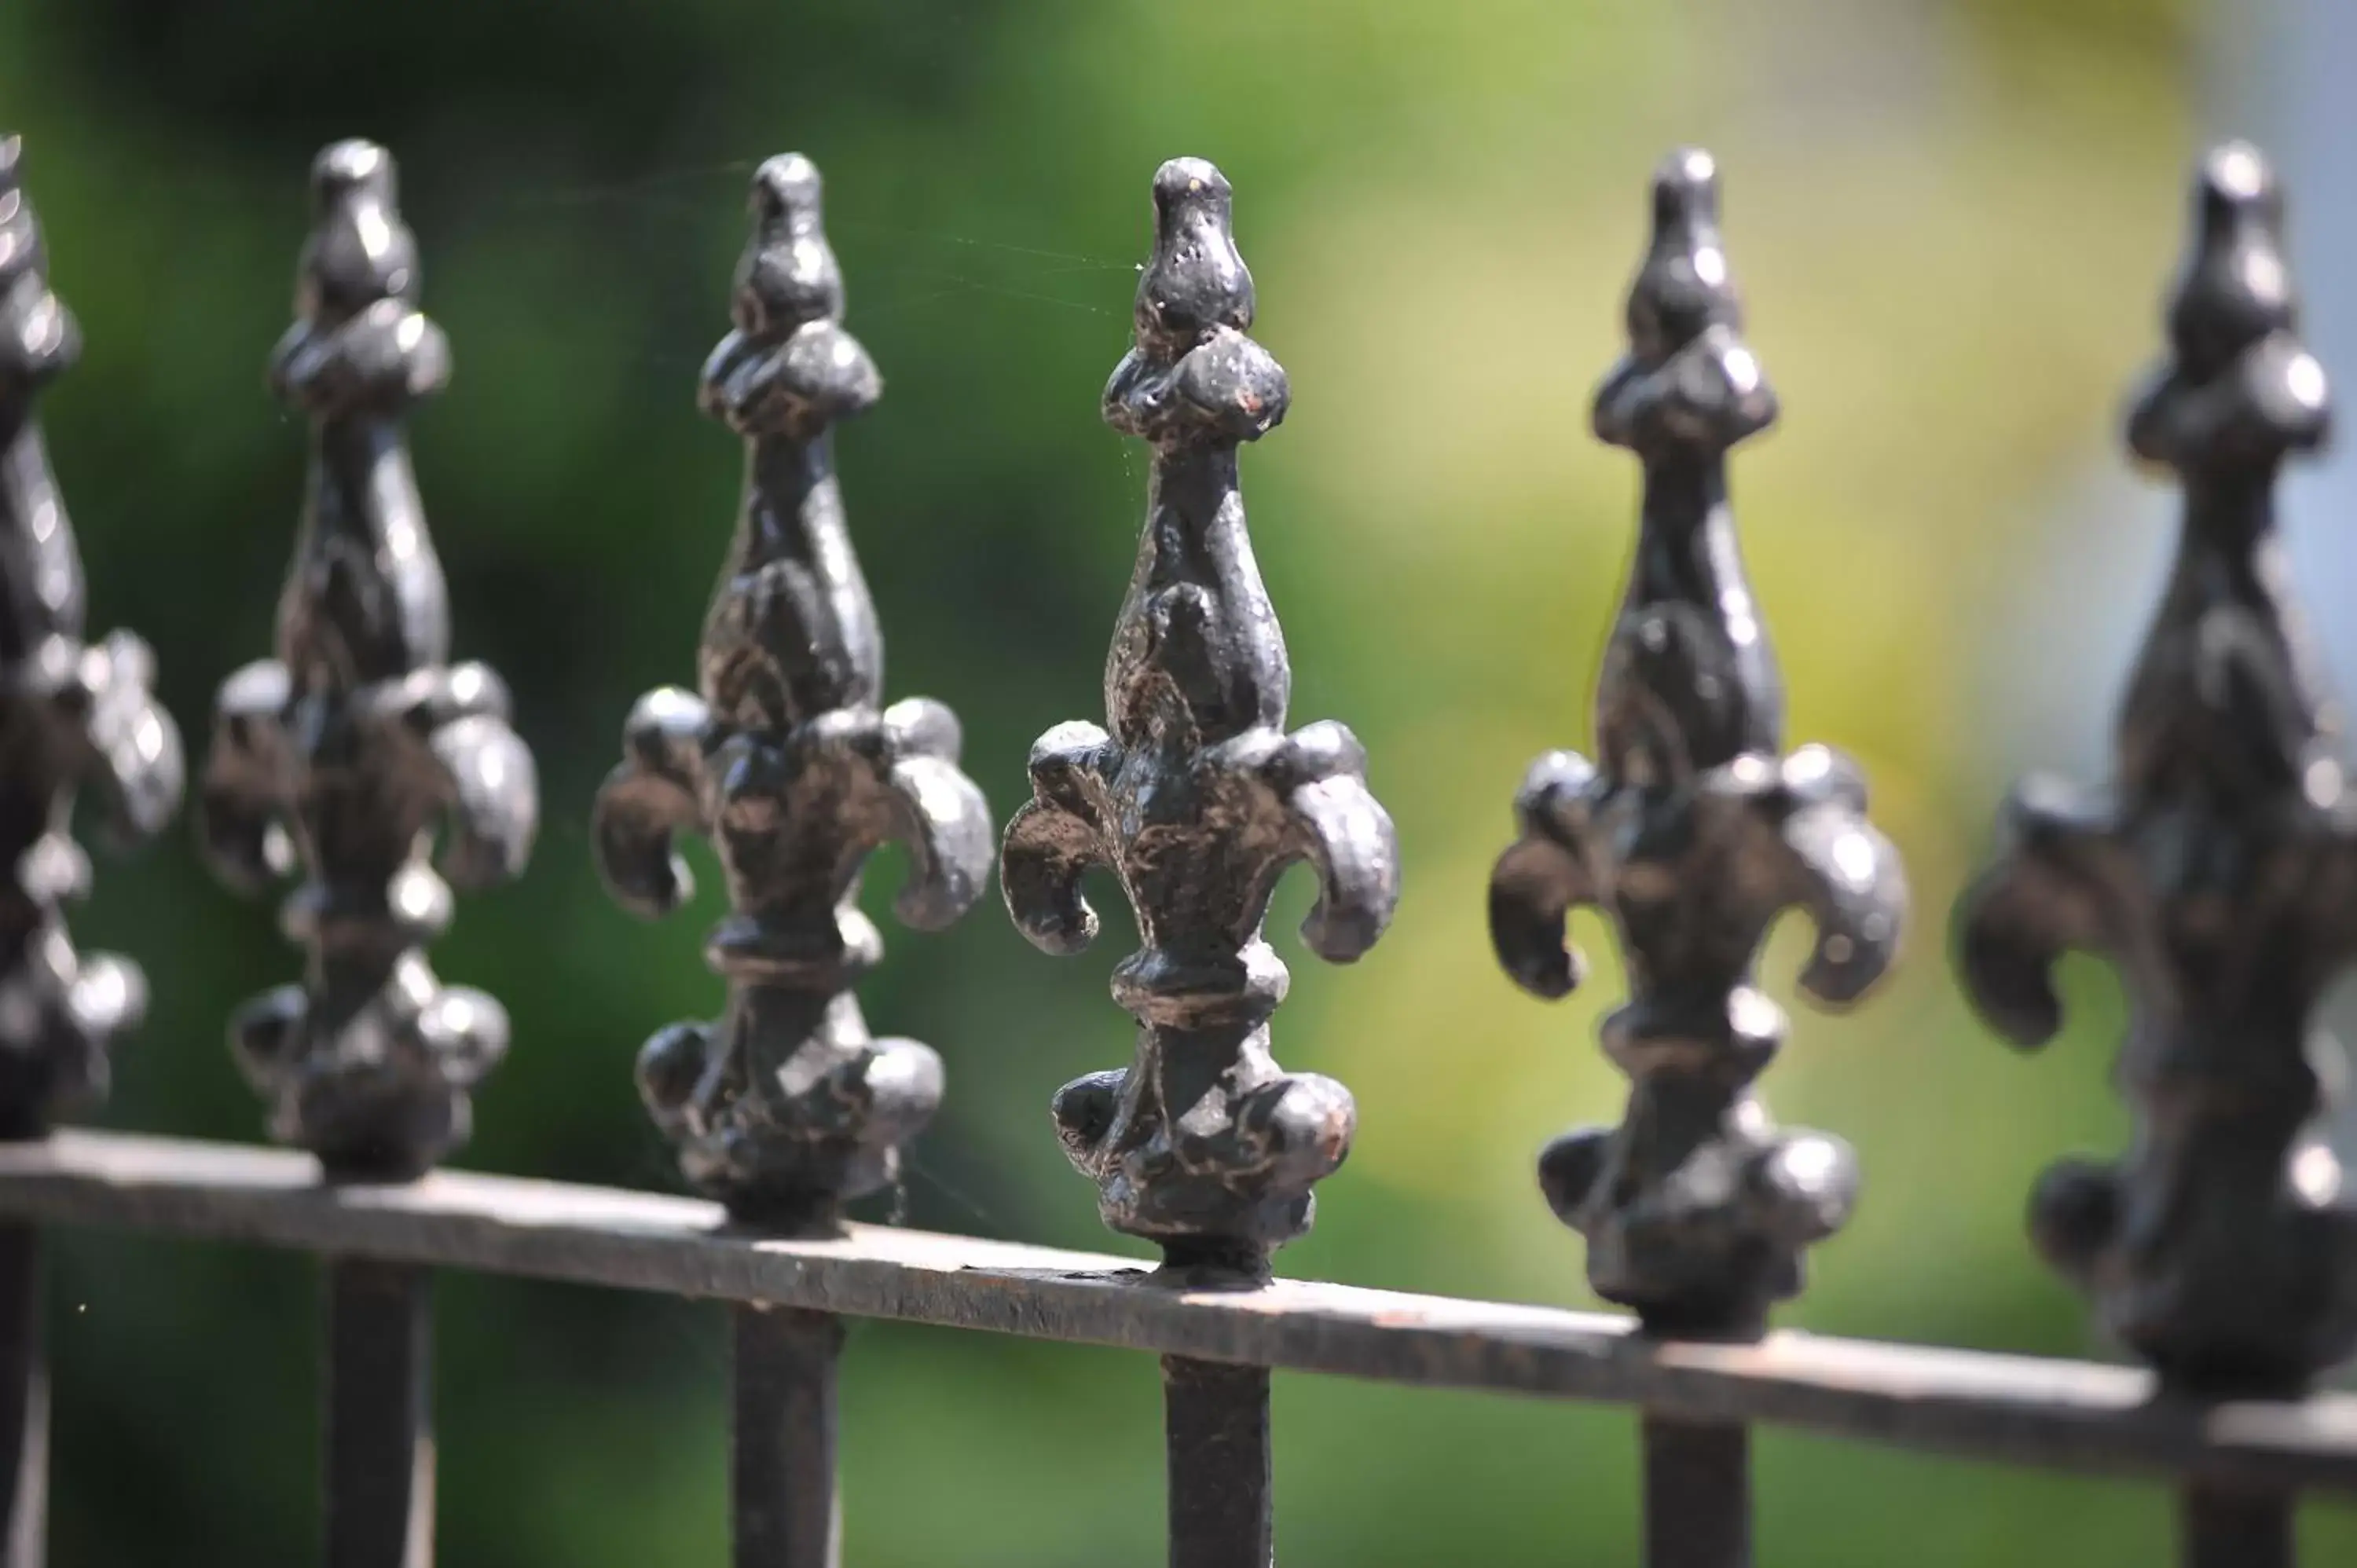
784,1106
1198,801
342,759
2219,872
72,716
1690,834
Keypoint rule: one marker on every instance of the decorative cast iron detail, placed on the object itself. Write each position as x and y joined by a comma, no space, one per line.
72,715
1198,801
2219,873
346,756
785,1106
1690,834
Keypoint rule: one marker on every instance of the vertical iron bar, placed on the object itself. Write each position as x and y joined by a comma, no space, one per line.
1216,1424
1697,1494
2227,1527
380,1481
24,1398
787,1512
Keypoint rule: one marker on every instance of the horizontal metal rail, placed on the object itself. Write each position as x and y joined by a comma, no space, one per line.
2013,1409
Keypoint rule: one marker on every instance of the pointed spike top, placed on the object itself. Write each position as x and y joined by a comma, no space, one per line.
2239,386
789,276
348,166
788,189
1684,289
1197,281
789,368
1194,375
1688,382
2235,289
360,251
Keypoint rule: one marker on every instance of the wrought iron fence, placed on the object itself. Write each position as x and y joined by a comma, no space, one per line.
2219,872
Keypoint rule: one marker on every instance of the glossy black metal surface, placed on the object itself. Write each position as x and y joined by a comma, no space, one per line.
377,1503
72,716
784,1106
1219,1456
1698,1480
786,1509
2228,1526
1690,834
2007,1409
1198,799
24,1401
342,758
2218,872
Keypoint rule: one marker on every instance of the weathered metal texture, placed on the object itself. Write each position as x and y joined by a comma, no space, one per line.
24,1402
1216,1431
1198,799
1690,834
2231,1527
787,1511
2219,872
2012,1410
342,758
378,1507
785,1105
1698,1507
72,716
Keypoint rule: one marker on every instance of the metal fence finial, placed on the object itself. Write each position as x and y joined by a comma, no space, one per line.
1690,834
1197,801
784,1106
2219,873
342,759
72,716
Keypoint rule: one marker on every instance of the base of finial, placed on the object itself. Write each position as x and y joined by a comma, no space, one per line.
784,1199
785,1116
799,1217
1214,1263
1723,1323
365,1135
351,1167
377,1086
1224,1185
417,1133
2209,1381
1698,1236
2235,1300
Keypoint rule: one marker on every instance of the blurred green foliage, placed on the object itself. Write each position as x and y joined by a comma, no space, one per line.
1952,221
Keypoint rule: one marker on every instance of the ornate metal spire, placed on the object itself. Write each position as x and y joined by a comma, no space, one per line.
784,1106
2219,873
1197,801
70,716
343,758
1690,834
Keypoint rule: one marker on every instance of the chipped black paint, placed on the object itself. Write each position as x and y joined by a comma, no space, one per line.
73,715
2219,872
343,758
1198,799
785,1106
1690,834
